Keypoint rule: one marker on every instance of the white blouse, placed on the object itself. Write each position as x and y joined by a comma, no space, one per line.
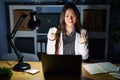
80,48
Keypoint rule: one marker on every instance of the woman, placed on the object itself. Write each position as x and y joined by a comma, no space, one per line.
69,38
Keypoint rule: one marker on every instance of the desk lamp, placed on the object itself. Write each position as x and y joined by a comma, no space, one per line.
21,66
34,22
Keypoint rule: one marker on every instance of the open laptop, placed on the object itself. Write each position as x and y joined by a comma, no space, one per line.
62,65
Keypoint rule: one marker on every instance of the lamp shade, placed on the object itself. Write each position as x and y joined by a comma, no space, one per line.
34,22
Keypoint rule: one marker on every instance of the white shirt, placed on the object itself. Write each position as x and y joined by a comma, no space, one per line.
80,49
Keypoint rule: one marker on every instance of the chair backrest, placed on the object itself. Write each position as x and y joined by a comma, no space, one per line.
13,57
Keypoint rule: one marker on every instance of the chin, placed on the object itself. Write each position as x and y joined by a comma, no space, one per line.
71,25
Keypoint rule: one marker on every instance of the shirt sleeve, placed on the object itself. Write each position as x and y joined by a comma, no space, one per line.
51,41
82,48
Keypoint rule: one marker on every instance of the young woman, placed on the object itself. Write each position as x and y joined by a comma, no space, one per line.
69,38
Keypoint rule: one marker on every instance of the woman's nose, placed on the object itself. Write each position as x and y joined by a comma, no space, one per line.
70,17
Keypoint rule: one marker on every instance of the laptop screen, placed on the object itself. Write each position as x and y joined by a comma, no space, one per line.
61,64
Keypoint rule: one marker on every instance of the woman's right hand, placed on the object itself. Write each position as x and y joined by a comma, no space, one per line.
51,33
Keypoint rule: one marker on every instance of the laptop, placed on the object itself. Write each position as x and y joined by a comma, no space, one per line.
61,65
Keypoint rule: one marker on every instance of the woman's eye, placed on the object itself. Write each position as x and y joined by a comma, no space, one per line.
73,15
70,16
66,16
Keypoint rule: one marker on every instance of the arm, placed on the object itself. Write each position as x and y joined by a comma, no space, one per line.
51,40
82,42
84,50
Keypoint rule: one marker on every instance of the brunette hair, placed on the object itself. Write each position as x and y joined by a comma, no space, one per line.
78,26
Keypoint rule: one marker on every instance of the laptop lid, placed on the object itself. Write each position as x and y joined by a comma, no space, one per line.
61,64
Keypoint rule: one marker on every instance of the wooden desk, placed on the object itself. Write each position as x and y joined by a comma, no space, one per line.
24,75
39,75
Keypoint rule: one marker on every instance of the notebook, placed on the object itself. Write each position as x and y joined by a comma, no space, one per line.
100,67
61,64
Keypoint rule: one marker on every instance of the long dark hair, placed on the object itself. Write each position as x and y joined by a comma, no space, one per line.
78,26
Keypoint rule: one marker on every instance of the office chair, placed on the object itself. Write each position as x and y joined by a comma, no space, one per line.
13,57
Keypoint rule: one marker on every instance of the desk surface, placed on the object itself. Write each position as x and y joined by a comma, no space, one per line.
39,75
24,75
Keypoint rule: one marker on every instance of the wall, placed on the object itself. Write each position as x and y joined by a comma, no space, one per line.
3,33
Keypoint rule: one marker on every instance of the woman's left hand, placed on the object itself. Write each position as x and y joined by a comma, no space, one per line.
82,38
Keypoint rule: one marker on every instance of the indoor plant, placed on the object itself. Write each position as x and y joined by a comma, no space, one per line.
5,73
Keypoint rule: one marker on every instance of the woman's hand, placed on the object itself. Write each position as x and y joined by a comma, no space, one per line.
51,33
82,38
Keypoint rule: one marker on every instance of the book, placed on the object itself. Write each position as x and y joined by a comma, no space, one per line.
115,74
102,67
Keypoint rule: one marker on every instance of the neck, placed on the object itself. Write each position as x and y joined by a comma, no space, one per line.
69,30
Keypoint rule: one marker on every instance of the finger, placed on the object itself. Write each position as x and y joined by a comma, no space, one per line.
83,36
51,34
53,30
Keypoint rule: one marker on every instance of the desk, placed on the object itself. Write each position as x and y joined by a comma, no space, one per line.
39,76
24,75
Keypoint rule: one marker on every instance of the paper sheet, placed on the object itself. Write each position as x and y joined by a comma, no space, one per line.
32,71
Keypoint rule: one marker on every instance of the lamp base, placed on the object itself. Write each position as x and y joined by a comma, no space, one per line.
21,66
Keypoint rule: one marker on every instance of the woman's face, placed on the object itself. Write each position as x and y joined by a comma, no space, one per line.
70,18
